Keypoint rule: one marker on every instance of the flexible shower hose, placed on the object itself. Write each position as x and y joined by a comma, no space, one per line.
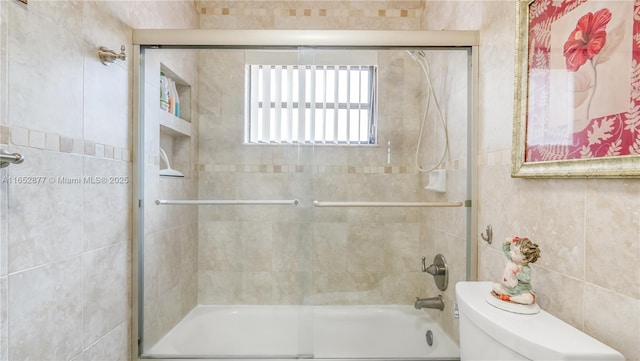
424,64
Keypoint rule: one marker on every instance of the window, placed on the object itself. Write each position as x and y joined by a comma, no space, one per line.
310,104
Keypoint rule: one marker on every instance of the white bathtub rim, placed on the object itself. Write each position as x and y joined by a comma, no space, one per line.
353,313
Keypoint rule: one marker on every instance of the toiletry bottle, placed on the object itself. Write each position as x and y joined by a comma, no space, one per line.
164,92
171,97
176,100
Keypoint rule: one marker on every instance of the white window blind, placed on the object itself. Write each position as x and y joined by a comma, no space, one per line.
312,104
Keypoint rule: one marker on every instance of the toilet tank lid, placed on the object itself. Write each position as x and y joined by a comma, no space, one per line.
539,337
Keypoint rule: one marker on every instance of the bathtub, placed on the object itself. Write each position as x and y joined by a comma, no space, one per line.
320,332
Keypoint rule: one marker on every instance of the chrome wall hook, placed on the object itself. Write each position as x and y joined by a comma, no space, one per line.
108,56
489,237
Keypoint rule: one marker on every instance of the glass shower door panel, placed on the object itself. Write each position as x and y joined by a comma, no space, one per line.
365,261
221,280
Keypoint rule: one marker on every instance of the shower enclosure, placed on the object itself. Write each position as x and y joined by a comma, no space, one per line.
279,187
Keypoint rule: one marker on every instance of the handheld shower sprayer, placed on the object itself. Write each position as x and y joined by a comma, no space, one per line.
168,172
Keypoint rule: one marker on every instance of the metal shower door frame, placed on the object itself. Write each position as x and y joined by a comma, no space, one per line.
236,39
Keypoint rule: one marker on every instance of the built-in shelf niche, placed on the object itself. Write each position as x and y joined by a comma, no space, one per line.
184,92
175,132
173,125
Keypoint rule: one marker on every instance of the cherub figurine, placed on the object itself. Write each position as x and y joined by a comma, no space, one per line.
516,278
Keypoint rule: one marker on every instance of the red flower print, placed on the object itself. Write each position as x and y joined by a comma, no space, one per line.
587,39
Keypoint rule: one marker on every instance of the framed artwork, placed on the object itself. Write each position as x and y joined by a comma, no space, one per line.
577,89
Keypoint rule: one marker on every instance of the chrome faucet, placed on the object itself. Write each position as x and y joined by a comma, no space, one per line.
433,302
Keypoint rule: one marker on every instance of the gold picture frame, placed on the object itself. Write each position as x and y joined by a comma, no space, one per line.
554,76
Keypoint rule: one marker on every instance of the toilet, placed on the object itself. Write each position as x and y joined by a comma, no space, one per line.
489,333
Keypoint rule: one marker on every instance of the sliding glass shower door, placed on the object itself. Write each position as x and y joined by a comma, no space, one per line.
275,182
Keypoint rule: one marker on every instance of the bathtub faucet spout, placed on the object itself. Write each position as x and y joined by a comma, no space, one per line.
433,302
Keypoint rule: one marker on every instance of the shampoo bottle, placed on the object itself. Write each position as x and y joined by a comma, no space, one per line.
171,97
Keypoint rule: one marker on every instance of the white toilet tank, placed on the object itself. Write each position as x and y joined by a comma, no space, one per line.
488,333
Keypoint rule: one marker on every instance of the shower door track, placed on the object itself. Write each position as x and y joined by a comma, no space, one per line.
244,39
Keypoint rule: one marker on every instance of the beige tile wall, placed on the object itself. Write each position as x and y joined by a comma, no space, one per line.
305,14
65,244
268,255
588,230
343,256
